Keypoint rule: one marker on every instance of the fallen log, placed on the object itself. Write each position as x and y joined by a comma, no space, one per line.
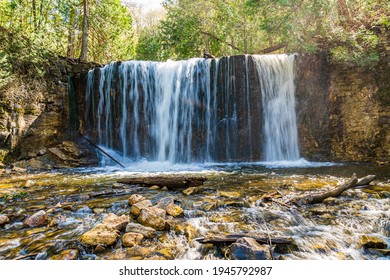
169,182
319,198
231,238
103,151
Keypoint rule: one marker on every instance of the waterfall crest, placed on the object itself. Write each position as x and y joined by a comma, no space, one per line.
198,110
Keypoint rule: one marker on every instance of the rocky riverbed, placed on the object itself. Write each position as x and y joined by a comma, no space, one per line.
86,214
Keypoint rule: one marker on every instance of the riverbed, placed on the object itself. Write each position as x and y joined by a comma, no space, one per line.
230,202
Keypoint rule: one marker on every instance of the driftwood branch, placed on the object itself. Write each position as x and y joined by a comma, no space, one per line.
169,182
231,238
103,151
220,40
272,48
318,198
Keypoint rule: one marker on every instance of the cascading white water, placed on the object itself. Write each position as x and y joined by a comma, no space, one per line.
196,110
276,73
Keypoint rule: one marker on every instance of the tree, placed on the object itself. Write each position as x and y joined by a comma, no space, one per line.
85,30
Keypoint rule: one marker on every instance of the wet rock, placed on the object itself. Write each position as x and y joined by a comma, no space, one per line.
39,219
192,190
164,188
379,252
100,248
248,249
99,211
137,207
371,242
117,222
165,202
155,187
131,239
71,254
286,248
147,232
100,234
174,210
134,198
331,201
209,205
153,217
167,252
229,194
4,220
187,229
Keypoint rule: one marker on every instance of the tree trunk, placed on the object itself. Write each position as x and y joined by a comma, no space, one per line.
84,40
71,33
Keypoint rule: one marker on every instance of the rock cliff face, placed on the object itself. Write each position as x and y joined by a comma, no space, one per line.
344,110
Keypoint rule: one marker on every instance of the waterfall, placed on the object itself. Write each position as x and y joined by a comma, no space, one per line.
276,75
198,110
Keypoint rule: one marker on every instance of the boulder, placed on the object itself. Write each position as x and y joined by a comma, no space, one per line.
117,222
153,217
134,198
71,254
39,219
4,220
147,232
131,239
371,242
101,234
137,207
174,210
247,248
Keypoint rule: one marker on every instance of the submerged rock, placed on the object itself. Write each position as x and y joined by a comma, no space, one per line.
187,229
153,217
247,248
39,219
134,198
117,222
71,254
137,207
147,232
4,220
101,234
372,242
131,239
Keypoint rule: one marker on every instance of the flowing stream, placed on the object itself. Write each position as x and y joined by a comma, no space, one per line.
76,200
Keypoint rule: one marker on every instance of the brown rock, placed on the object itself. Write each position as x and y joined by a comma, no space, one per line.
134,198
174,210
100,234
131,239
136,208
165,202
39,219
191,190
372,242
147,232
4,220
117,222
71,254
153,217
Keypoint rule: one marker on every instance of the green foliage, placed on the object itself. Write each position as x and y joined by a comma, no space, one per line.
228,27
57,25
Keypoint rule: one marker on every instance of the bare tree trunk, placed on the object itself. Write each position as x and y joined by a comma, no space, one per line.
34,11
84,41
71,33
343,12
